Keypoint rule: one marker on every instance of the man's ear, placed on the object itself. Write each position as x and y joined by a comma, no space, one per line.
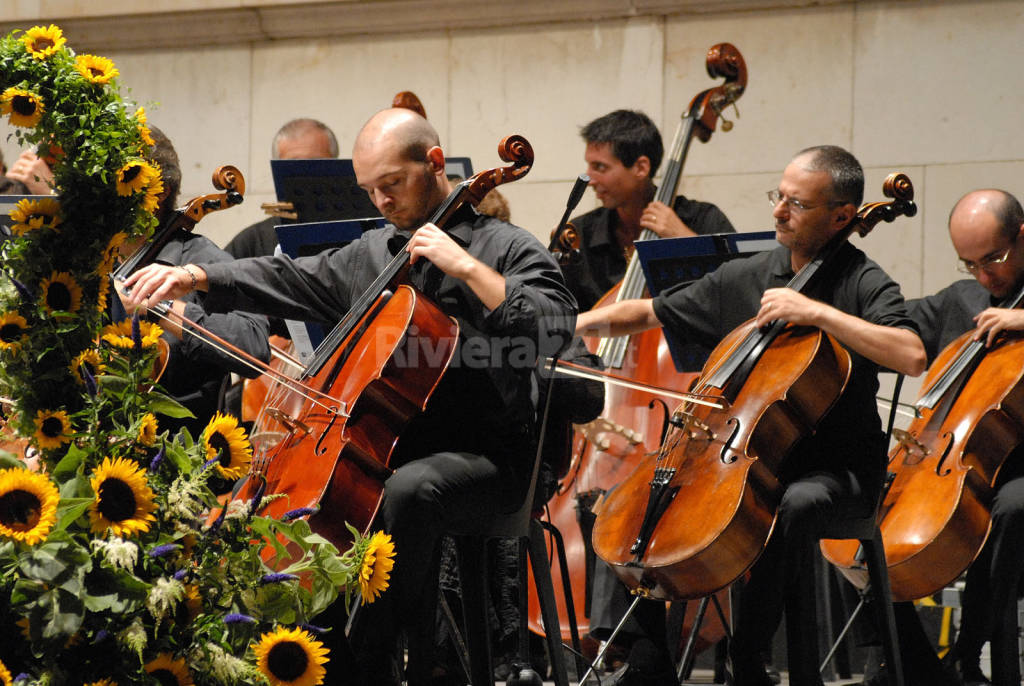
435,156
845,213
642,166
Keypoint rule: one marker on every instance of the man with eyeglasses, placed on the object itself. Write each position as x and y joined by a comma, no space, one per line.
837,471
986,228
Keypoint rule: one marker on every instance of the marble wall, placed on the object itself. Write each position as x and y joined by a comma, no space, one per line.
931,88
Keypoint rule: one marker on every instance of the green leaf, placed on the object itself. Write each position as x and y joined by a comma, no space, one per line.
69,464
114,590
169,407
69,510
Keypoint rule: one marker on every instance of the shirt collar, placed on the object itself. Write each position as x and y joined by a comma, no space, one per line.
781,263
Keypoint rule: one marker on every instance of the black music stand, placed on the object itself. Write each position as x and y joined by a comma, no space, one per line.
669,261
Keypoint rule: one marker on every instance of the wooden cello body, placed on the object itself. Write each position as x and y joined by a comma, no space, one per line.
692,519
632,423
359,390
936,514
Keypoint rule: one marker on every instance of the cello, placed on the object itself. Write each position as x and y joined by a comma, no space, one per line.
361,393
717,469
629,428
936,514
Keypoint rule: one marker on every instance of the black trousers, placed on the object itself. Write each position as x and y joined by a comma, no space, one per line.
422,500
990,594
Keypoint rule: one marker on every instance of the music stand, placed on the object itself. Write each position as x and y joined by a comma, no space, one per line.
669,261
299,240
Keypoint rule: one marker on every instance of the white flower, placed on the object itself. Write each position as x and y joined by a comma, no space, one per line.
133,637
225,667
184,498
164,596
117,551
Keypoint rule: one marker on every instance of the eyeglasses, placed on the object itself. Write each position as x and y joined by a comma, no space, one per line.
775,197
985,264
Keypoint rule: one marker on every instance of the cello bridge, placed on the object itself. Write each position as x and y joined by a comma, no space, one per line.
911,445
289,421
691,425
593,432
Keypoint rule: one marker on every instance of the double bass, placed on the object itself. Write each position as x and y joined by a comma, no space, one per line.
689,521
358,392
632,424
936,515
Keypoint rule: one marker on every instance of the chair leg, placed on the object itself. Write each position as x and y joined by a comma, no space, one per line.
563,565
472,563
879,578
546,595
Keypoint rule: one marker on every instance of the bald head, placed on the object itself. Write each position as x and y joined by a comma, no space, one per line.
985,206
397,130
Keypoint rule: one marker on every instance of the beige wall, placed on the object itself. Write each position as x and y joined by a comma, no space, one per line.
929,88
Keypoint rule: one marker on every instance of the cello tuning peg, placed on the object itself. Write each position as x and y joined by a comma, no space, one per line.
726,125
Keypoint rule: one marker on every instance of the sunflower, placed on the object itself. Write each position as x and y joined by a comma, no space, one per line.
147,430
102,682
110,253
90,360
133,177
28,505
168,671
144,132
120,335
378,561
291,657
41,42
95,69
5,675
124,501
53,428
25,107
151,201
13,331
29,215
61,293
225,441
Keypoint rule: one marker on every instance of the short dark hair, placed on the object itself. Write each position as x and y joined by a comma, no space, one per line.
631,133
845,171
301,127
163,153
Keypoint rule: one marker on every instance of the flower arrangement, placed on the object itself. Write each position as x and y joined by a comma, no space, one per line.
113,570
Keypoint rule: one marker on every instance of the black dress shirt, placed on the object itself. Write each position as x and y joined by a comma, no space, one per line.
601,262
850,435
485,402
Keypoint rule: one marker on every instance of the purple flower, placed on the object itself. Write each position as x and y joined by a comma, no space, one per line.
313,628
26,293
157,459
22,677
180,574
254,503
90,380
163,550
136,332
238,618
101,636
277,577
298,512
209,463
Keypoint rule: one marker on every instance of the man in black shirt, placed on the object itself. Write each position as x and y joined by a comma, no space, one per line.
468,456
623,153
838,470
298,139
987,231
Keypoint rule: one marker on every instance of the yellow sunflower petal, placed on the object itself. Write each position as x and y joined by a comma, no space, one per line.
291,657
95,69
120,335
61,293
41,42
53,428
24,107
166,670
147,430
90,360
226,441
13,331
378,561
28,505
29,215
124,502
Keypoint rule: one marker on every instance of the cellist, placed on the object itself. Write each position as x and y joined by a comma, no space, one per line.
838,470
623,153
986,228
468,455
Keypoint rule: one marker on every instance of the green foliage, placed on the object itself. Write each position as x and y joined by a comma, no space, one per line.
99,595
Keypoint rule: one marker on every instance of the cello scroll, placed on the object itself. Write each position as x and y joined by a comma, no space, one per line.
723,60
514,149
896,186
